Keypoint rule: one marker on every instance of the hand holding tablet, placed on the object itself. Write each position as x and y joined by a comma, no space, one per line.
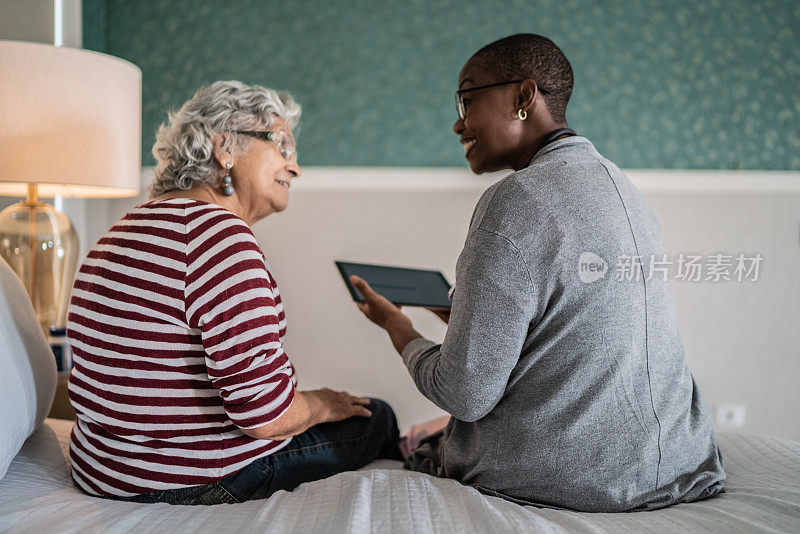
395,287
402,286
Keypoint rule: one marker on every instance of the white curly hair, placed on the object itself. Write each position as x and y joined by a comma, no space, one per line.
184,146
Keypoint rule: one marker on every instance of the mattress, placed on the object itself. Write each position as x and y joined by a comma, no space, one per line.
37,495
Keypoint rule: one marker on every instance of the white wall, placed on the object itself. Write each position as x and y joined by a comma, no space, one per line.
27,20
742,339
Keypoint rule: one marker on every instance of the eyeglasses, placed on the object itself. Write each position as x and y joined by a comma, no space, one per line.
462,110
281,138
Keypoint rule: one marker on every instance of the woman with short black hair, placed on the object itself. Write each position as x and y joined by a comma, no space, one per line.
567,384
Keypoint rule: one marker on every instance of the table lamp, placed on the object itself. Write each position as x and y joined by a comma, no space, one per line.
70,126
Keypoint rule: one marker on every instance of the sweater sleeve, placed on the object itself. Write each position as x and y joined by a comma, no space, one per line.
493,305
231,300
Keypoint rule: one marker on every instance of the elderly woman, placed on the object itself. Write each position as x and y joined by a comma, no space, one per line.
183,391
565,390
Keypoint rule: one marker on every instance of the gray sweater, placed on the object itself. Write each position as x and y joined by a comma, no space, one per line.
567,386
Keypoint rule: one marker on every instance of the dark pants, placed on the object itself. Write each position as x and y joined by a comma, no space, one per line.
319,452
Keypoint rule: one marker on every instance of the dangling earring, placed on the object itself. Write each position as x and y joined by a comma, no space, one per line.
227,188
522,114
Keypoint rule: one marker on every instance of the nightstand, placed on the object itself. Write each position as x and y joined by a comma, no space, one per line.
62,409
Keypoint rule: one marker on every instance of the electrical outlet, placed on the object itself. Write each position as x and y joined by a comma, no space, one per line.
730,415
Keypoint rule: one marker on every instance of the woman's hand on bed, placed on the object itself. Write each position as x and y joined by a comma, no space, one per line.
310,408
332,406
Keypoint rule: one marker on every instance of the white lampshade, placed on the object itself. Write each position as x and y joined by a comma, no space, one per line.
70,121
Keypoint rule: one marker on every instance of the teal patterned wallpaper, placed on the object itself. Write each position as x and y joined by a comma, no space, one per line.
711,84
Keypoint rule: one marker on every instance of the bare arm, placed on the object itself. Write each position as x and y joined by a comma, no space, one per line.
311,408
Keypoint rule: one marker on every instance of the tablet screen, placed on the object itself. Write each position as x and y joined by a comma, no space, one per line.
402,286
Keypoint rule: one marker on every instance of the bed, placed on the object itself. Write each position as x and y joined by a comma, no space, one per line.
37,495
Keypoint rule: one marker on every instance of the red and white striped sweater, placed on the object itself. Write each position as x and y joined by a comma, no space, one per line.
176,326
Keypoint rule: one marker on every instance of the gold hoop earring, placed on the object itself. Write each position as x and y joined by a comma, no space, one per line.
522,114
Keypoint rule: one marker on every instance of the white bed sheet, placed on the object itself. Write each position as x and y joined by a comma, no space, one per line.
37,495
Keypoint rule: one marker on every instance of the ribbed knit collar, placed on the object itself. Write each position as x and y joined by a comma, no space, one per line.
573,140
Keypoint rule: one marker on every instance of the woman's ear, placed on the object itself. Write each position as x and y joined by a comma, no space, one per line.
526,97
221,153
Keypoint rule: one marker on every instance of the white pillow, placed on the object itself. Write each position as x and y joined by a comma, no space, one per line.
27,368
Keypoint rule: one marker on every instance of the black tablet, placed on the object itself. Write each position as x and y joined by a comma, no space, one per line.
402,286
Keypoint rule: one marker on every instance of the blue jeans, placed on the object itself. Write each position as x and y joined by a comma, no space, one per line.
319,452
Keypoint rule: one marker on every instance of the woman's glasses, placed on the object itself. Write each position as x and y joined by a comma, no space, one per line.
281,138
462,110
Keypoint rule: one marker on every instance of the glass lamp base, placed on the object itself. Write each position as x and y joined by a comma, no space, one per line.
41,246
